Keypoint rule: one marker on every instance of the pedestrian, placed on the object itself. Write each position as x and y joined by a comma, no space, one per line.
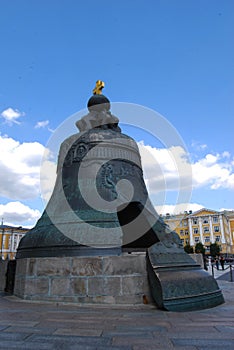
205,262
222,262
217,262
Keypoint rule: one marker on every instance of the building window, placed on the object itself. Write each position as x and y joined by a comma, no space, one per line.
195,221
215,219
186,233
4,242
181,232
197,239
216,228
217,239
185,222
187,241
15,243
207,239
195,231
206,229
205,220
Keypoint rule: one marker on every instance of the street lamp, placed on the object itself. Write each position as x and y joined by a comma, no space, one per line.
2,244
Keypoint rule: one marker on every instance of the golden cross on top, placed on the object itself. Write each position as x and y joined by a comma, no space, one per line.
98,88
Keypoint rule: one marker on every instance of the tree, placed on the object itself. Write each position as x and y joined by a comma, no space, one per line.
214,249
199,248
188,249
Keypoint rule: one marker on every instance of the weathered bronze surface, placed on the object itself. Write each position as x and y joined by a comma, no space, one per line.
100,206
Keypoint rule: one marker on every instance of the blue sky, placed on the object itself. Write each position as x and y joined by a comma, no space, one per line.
174,57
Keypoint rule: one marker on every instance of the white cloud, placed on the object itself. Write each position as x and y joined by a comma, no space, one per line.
227,209
170,169
20,168
48,178
165,169
11,115
16,213
198,146
177,208
214,171
41,124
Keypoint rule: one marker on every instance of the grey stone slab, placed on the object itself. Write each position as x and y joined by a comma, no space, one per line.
79,286
22,345
112,286
21,267
96,286
31,268
86,266
2,327
36,286
73,346
162,342
143,328
225,329
69,339
127,265
114,347
60,286
20,323
30,330
127,333
79,332
213,347
158,347
208,343
198,335
53,266
132,284
8,336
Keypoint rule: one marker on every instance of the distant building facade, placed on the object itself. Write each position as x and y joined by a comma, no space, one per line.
206,226
9,240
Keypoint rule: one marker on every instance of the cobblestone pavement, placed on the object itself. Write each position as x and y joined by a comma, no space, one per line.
44,326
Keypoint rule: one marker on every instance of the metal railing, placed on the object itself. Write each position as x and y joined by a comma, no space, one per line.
229,266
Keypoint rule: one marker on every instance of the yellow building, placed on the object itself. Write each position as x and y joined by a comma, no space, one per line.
206,226
9,240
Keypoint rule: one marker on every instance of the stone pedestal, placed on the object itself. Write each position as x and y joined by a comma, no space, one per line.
95,279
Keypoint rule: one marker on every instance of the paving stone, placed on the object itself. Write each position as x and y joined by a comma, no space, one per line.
30,330
146,328
162,342
127,333
21,345
13,336
28,325
79,332
208,343
69,339
225,328
114,348
157,347
2,327
212,347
